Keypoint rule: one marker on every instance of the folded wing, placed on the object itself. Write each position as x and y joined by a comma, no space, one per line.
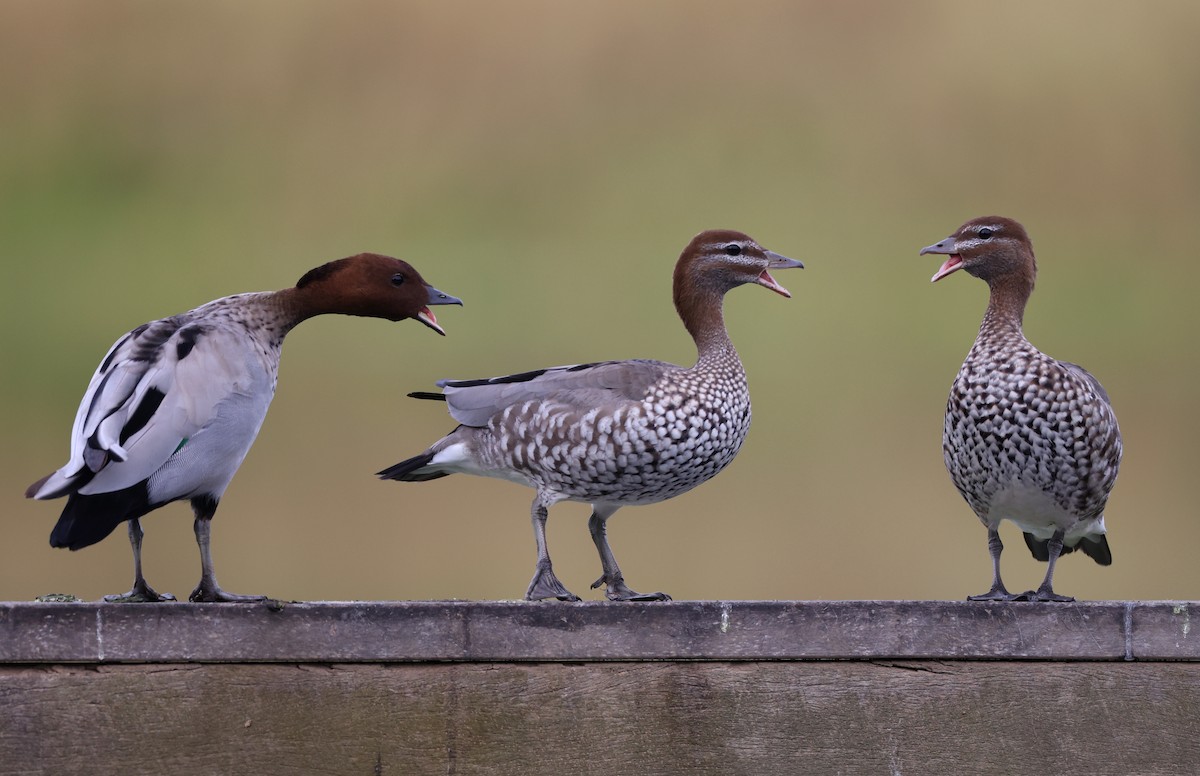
474,402
156,387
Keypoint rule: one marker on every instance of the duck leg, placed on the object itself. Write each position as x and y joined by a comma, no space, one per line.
1046,591
544,583
141,592
615,587
208,591
998,591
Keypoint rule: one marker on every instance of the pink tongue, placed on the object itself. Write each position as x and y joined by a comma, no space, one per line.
954,262
765,279
427,317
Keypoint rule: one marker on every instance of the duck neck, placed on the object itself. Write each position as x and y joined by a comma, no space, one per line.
1006,307
287,308
297,305
704,319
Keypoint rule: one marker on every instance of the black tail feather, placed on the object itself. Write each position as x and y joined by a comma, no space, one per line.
1040,547
1096,549
410,470
427,395
86,520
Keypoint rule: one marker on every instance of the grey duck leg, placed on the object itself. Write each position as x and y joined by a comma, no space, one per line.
998,591
208,591
1046,591
544,583
141,592
614,581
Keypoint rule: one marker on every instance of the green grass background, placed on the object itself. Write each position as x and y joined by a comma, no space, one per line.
547,161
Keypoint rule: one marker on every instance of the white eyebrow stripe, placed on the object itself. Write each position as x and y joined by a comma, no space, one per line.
745,245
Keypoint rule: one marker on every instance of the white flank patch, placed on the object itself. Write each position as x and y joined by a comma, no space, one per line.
457,458
453,455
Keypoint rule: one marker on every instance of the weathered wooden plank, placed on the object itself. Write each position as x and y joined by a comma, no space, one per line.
762,718
508,631
36,632
594,631
1165,632
514,687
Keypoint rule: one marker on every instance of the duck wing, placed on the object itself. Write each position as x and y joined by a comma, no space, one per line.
583,386
156,387
1088,378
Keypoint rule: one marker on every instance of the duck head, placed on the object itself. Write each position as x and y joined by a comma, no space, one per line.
990,248
373,286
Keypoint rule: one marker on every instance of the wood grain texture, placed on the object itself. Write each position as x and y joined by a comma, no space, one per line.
762,718
507,631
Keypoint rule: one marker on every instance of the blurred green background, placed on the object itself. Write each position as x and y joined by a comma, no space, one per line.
547,161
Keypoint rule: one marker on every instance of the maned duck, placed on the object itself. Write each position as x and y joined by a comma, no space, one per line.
1026,437
176,404
612,433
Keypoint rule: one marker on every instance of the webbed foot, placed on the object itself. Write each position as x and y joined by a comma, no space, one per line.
546,585
140,594
215,595
1044,595
996,594
619,591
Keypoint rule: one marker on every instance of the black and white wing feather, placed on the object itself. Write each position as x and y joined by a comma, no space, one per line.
157,386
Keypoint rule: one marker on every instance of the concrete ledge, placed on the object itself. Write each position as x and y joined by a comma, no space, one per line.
500,631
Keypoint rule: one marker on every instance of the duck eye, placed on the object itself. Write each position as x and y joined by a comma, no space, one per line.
985,233
398,279
733,249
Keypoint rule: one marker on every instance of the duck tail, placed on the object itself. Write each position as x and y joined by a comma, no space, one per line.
412,469
86,519
1041,547
1096,549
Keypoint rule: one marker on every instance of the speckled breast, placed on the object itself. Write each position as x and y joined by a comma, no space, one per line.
1023,418
688,428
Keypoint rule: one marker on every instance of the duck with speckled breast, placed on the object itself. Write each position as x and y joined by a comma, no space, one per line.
1026,437
612,433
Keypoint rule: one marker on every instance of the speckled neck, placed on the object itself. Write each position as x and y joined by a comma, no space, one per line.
712,340
292,306
267,315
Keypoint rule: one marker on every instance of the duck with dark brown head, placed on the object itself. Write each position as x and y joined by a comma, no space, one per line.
176,404
1026,437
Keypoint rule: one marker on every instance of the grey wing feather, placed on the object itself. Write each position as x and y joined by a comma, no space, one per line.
474,402
1088,378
